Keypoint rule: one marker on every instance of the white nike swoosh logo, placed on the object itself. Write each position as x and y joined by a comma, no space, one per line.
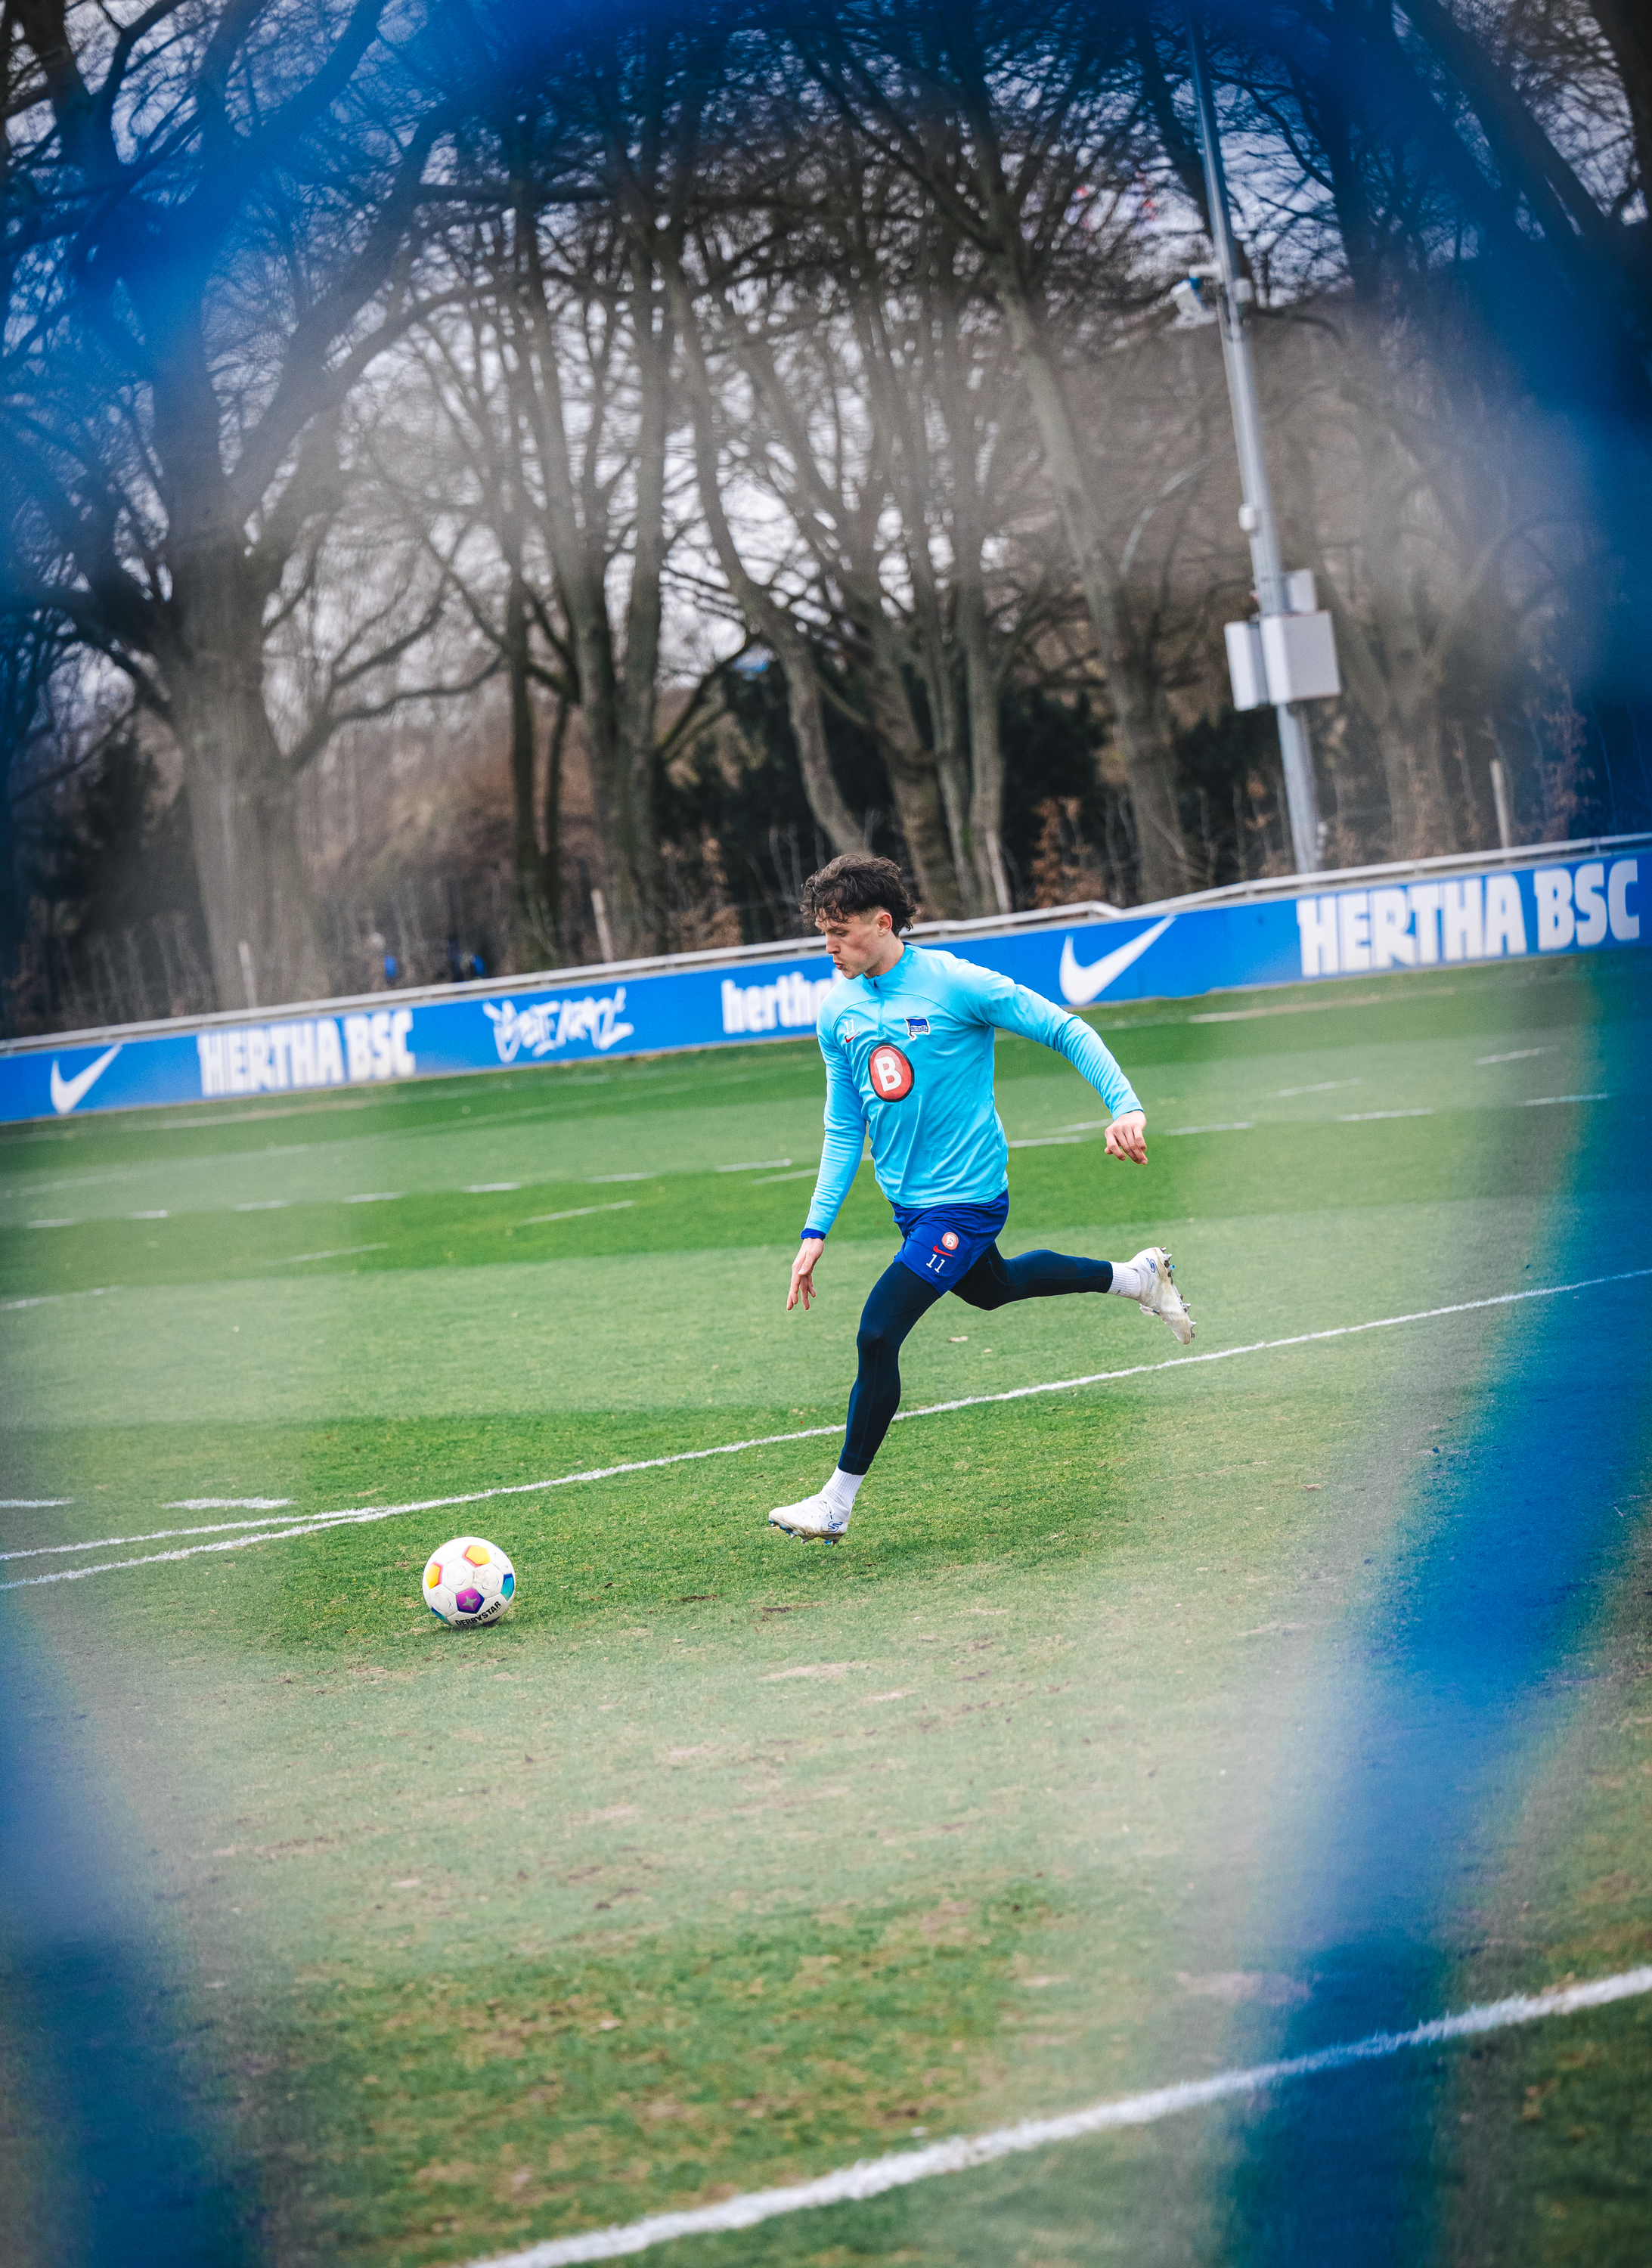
1080,986
67,1091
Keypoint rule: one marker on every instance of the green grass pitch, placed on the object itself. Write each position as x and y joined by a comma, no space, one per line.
1139,1731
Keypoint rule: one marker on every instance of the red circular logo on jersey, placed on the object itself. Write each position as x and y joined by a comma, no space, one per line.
891,1073
949,1242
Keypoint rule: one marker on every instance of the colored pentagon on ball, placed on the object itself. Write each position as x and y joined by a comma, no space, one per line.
432,1575
507,1588
478,1554
468,1603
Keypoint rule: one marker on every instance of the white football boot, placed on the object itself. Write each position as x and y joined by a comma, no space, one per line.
812,1522
1160,1296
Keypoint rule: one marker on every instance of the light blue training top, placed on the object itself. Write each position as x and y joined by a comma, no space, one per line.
909,1061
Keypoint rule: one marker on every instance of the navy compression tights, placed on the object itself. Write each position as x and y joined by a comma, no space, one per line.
899,1297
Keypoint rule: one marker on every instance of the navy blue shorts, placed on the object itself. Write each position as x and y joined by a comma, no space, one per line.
943,1244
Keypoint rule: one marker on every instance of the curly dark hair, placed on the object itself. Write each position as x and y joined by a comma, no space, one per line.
857,883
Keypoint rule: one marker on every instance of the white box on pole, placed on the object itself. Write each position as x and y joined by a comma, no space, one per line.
1245,664
1301,597
1298,656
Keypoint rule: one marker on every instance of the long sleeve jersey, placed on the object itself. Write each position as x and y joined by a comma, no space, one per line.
909,1061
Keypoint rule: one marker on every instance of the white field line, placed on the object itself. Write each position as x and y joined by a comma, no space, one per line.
316,1523
110,1543
339,1252
579,1213
874,2176
229,1504
51,1298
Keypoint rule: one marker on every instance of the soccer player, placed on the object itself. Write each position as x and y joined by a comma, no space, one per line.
908,1036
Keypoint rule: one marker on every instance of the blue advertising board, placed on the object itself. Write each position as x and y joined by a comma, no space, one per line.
1579,905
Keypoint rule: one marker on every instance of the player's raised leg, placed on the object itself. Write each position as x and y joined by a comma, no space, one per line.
1149,1279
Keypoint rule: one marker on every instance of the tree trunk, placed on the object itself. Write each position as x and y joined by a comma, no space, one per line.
765,617
1403,703
947,753
832,814
243,804
914,781
929,639
1141,743
639,688
580,564
550,867
1628,32
917,793
609,759
529,904
618,712
987,755
1385,662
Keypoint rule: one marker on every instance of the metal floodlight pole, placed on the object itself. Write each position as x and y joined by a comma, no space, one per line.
1256,514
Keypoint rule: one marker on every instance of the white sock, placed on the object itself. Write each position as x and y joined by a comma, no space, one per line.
1128,1279
840,1491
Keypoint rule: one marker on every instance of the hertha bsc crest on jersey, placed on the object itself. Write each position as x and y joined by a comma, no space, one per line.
916,1027
890,1074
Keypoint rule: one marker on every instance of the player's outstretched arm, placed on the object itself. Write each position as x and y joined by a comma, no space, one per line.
803,1272
840,1160
1013,1008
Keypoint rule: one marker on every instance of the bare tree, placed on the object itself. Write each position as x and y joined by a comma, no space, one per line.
587,343
455,452
869,475
1011,124
216,206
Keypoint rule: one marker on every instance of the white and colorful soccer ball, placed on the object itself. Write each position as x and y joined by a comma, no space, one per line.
468,1579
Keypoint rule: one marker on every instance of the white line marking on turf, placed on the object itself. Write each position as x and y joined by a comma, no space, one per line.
50,1299
874,2177
756,1165
339,1252
227,1504
1044,1141
1358,1117
265,1204
579,1213
1535,1102
482,1189
374,1196
29,1503
316,1523
1518,1055
1289,1008
153,1535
